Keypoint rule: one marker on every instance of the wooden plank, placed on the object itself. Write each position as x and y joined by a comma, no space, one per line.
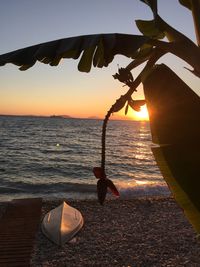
18,227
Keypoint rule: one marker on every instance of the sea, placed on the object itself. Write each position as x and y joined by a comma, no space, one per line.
53,157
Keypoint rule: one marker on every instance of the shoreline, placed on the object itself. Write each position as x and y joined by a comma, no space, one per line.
145,231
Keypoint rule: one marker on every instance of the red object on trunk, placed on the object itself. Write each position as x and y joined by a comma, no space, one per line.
112,187
99,173
103,184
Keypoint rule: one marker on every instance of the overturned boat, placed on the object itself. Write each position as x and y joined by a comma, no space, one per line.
61,224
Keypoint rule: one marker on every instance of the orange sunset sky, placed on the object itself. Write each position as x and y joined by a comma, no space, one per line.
62,90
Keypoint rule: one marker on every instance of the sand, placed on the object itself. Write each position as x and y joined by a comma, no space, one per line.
138,232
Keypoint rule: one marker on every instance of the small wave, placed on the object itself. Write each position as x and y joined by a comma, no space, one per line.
10,190
139,189
48,188
81,190
56,151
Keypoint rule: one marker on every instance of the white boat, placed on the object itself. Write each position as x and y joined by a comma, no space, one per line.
62,223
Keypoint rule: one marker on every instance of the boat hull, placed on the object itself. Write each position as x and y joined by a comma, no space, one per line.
61,224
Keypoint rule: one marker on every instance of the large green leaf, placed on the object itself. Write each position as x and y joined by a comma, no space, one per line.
141,55
144,51
152,4
158,29
98,49
150,28
175,125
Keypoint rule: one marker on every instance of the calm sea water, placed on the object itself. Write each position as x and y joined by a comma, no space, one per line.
54,157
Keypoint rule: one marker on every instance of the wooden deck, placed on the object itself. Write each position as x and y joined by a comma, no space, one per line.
18,227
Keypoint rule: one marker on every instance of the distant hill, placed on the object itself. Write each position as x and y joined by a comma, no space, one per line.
38,116
52,116
93,118
67,116
60,117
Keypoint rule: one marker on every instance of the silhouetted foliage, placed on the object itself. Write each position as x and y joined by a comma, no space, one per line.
158,38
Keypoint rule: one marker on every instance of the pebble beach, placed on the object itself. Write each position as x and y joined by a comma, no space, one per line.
140,232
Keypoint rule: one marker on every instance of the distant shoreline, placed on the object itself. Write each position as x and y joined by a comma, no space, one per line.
37,116
68,117
51,117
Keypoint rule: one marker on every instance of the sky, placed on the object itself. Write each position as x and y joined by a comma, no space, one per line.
63,90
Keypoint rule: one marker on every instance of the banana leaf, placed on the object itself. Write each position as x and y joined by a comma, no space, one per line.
175,126
150,28
152,4
98,49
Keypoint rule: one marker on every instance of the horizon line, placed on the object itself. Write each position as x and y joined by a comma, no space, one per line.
69,117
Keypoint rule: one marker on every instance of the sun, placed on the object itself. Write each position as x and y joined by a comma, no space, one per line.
140,115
